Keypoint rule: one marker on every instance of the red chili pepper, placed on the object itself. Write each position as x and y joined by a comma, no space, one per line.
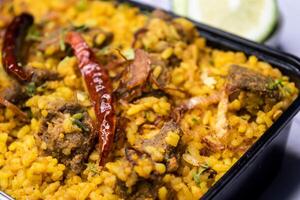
12,46
100,90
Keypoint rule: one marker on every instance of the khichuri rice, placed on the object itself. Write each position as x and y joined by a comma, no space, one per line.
168,114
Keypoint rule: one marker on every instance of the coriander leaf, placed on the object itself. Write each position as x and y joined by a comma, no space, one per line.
78,116
31,89
33,34
81,125
196,178
275,84
203,168
92,167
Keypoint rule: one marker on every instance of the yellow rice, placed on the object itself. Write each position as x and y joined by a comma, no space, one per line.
26,174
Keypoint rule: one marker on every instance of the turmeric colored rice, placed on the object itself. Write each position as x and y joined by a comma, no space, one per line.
176,136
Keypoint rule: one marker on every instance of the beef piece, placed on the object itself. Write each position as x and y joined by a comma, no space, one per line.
135,77
17,92
70,148
139,70
39,76
172,154
243,79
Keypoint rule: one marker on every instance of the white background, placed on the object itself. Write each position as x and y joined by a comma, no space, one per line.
286,185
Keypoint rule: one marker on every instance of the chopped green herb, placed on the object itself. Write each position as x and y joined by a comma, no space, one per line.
81,125
78,116
279,84
31,89
34,34
196,178
93,168
275,84
201,169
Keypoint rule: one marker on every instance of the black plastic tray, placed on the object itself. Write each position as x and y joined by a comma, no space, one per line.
248,177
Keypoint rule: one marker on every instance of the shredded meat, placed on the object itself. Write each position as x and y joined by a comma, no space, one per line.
172,154
16,93
135,77
139,70
70,148
39,76
222,123
201,101
243,79
213,143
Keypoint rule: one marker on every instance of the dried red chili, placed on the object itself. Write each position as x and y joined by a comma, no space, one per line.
12,46
100,90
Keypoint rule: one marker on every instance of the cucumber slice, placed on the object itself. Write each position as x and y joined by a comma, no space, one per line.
252,19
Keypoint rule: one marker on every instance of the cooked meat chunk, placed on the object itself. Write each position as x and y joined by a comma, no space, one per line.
139,79
139,70
39,76
243,79
167,141
70,145
135,77
17,92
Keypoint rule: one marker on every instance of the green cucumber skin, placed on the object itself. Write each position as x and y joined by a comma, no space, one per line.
275,25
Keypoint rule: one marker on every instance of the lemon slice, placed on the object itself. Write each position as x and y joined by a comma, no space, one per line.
252,19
